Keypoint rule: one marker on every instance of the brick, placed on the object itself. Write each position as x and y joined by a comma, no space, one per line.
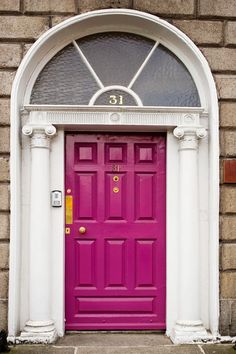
201,32
10,5
17,27
228,114
228,199
220,59
220,8
26,47
228,227
168,7
4,169
3,314
225,316
10,55
88,5
4,252
228,143
4,284
43,6
5,227
58,19
222,171
230,33
6,80
4,198
228,256
228,285
233,319
4,111
226,86
4,139
229,171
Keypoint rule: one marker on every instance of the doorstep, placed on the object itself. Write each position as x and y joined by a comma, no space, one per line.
120,343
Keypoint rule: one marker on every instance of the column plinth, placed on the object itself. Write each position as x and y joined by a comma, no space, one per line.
189,327
40,327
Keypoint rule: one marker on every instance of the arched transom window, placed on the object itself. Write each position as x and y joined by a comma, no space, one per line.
118,69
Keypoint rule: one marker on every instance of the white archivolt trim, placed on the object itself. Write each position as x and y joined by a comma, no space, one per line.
38,55
115,87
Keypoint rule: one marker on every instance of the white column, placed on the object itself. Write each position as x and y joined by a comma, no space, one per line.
40,326
189,326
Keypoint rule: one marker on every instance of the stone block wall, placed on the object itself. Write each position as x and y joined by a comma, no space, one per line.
211,24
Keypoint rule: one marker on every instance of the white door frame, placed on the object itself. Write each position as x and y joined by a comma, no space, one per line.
191,124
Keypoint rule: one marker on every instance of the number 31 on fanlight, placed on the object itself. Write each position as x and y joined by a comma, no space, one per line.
116,99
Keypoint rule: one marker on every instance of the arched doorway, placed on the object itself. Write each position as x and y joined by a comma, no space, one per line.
191,166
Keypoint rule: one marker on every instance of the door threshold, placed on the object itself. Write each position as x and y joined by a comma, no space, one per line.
138,331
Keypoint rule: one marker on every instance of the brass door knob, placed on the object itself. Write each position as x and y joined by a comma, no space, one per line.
82,230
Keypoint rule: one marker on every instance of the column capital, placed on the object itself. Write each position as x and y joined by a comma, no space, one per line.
40,135
189,136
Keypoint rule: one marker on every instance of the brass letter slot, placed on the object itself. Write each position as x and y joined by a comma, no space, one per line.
69,209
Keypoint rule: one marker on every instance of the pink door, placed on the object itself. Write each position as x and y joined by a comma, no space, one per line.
115,231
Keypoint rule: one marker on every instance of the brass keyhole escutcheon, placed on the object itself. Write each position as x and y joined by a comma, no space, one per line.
116,178
116,190
82,230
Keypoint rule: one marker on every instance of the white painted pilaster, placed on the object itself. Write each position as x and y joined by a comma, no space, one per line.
189,327
40,326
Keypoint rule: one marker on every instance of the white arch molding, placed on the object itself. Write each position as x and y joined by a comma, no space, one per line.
191,129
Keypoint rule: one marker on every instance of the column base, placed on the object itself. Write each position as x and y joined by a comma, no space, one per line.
189,332
38,332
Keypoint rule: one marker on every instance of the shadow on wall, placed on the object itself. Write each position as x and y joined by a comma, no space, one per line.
3,342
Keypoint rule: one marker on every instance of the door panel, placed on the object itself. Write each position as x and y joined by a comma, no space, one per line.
85,257
115,271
